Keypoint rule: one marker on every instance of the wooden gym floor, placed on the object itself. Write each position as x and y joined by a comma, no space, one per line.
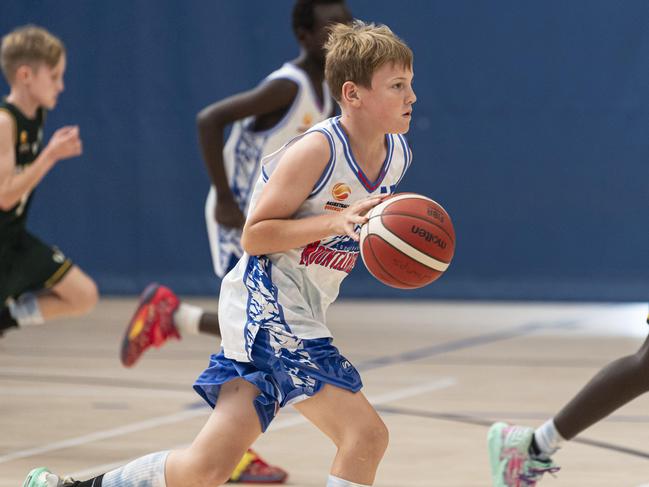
439,373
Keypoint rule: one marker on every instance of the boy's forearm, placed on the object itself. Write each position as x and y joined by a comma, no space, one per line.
25,181
210,136
270,236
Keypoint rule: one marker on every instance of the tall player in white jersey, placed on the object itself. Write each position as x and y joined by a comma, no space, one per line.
300,241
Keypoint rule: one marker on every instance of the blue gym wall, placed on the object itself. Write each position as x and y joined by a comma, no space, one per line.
531,127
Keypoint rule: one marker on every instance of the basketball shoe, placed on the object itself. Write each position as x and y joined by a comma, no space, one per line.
253,470
152,324
511,463
42,477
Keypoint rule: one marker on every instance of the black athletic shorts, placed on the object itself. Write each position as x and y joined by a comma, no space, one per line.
27,264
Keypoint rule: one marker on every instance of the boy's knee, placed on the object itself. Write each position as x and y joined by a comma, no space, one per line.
372,438
87,297
380,437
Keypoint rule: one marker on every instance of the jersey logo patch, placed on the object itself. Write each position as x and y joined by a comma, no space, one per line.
24,146
341,191
307,122
58,256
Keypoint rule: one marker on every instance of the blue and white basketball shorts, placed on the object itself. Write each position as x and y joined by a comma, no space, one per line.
282,376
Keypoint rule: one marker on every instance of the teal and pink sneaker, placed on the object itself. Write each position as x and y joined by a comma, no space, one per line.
42,477
511,463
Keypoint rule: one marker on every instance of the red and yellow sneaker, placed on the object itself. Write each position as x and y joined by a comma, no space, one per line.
253,470
152,324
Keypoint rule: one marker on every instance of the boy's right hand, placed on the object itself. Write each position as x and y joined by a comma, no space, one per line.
228,213
65,143
356,214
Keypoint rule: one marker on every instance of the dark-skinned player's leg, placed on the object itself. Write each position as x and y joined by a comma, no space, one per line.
617,384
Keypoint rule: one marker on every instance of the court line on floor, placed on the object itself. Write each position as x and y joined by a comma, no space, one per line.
462,343
69,376
102,435
284,423
542,416
370,364
25,373
466,419
192,413
96,392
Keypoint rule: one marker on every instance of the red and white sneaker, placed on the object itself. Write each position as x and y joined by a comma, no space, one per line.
152,324
253,470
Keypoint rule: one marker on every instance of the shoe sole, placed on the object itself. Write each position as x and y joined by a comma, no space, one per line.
145,298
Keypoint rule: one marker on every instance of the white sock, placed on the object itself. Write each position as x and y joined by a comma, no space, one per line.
337,482
548,438
147,471
25,310
187,318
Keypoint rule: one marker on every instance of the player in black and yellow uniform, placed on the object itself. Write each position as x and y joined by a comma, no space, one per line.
37,282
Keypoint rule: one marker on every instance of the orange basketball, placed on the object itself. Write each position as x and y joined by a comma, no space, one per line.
408,241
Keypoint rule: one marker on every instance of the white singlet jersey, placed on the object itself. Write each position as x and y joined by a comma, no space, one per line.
290,291
245,148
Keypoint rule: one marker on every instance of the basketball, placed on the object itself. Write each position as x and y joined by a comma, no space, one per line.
408,241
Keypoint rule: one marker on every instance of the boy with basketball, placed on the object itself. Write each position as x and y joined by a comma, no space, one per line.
37,282
520,455
277,349
286,103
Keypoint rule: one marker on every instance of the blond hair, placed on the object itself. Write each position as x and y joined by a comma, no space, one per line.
29,45
356,51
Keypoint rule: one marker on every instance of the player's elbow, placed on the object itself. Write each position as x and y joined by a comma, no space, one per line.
250,241
247,245
208,119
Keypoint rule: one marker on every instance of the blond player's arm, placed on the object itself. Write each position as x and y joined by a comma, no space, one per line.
271,227
13,186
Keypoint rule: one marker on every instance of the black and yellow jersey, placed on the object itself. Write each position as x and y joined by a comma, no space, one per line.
28,142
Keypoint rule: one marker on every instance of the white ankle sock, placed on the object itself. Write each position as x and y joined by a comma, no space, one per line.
187,318
548,438
336,482
25,310
147,471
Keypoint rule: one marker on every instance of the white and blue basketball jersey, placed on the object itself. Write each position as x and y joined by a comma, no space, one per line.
289,292
245,148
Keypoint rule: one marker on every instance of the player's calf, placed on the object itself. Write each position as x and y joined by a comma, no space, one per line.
78,291
87,294
195,467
